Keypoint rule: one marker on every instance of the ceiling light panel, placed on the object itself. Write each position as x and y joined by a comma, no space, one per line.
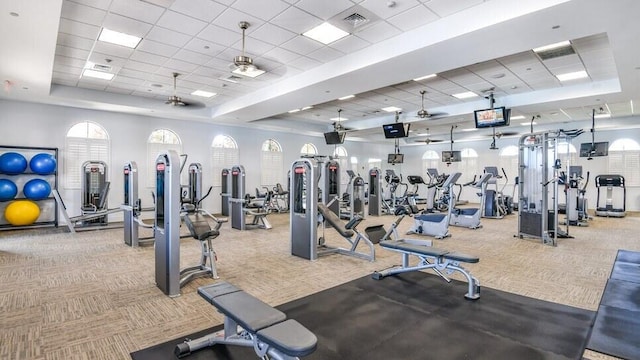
249,71
97,74
347,97
425,77
391,109
325,33
203,93
464,95
572,75
552,46
118,38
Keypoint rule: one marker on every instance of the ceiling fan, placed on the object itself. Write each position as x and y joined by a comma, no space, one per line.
424,114
498,135
242,64
175,100
429,140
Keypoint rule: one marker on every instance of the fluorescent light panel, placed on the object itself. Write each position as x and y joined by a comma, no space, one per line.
517,117
425,77
338,119
602,116
119,38
248,72
464,95
528,123
325,33
203,93
347,97
302,109
391,109
552,46
572,75
97,74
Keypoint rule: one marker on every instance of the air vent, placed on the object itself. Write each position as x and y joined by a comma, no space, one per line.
556,53
356,20
101,67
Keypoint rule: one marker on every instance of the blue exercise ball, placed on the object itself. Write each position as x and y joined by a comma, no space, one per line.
36,189
12,163
43,164
8,190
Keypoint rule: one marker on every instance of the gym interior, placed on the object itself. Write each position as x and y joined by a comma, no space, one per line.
321,226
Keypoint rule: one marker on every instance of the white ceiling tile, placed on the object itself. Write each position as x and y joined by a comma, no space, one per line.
204,47
79,29
126,25
100,58
127,80
180,66
253,46
296,20
324,9
112,49
140,66
89,15
384,11
157,48
64,79
72,52
205,10
301,45
219,35
167,36
60,68
272,34
280,55
134,74
349,44
137,10
220,64
572,60
413,18
114,89
231,18
192,57
304,63
204,80
75,41
325,54
144,57
264,9
181,23
378,32
64,60
446,7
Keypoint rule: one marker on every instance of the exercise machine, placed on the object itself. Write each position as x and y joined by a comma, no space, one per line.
437,225
306,213
330,185
375,192
611,182
192,192
132,208
169,277
249,322
470,217
353,201
575,208
429,258
95,192
225,189
238,202
496,203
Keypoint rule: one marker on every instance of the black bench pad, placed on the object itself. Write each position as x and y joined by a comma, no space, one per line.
248,311
290,337
334,221
209,292
428,251
436,218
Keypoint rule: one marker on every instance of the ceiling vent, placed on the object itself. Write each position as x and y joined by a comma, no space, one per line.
356,20
101,67
556,53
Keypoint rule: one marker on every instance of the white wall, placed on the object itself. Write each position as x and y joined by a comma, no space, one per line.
28,124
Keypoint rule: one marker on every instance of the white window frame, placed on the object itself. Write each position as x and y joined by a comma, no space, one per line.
624,159
271,163
154,148
224,155
94,144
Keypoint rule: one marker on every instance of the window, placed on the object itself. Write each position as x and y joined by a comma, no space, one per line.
340,155
354,165
160,140
508,160
224,154
468,166
271,164
624,159
375,163
430,160
567,154
308,149
84,141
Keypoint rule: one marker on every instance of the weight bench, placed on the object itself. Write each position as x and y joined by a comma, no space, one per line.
431,258
252,323
259,219
347,231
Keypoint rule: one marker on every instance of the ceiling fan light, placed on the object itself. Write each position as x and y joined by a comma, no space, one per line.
248,71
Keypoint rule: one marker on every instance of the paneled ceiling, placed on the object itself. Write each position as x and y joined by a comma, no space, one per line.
483,47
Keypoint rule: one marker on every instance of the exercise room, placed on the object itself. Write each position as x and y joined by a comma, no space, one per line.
331,180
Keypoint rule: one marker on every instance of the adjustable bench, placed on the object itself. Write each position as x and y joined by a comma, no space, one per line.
252,323
347,231
431,258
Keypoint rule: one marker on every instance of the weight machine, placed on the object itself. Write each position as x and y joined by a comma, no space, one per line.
238,202
610,182
132,208
353,200
95,192
224,191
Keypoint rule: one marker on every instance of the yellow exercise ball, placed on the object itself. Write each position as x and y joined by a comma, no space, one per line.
22,212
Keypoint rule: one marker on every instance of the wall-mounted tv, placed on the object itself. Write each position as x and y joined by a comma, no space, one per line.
492,117
451,156
396,130
334,137
595,149
395,158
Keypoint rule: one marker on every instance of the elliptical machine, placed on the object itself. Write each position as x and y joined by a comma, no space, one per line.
496,204
576,207
470,217
437,225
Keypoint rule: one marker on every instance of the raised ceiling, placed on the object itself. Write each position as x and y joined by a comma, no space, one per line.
472,45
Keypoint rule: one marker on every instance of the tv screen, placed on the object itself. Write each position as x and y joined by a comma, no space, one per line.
395,158
595,149
334,137
451,156
396,130
492,117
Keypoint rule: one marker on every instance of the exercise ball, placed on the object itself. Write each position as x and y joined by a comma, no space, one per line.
8,190
43,164
36,189
22,212
12,163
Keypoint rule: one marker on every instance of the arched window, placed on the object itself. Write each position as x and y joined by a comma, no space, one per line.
508,160
160,140
567,154
430,160
354,165
271,164
375,163
308,149
84,141
340,154
624,159
468,166
224,154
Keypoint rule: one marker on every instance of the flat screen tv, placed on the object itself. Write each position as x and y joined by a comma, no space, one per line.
595,149
451,156
395,158
334,137
492,117
396,130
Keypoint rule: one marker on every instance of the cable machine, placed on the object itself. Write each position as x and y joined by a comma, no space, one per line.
132,208
95,191
375,192
224,191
